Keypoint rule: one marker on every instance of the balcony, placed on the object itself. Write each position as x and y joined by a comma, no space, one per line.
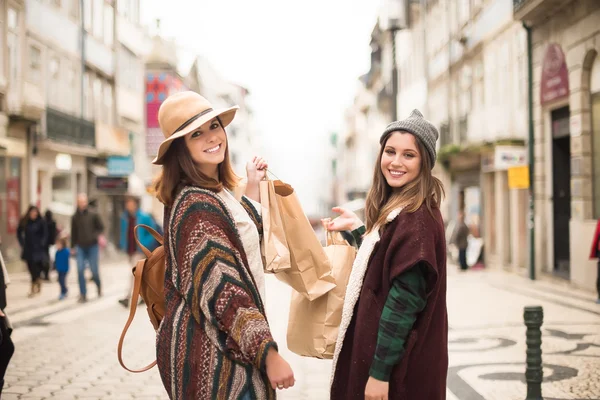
532,11
64,128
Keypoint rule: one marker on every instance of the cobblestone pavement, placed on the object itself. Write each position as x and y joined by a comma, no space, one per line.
65,350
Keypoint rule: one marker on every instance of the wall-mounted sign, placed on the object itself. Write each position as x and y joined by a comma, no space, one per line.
555,76
518,177
119,165
112,183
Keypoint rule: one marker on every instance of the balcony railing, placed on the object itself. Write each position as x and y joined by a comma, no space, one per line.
534,11
518,4
65,128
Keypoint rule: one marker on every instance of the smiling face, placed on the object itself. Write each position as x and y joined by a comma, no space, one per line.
401,160
207,146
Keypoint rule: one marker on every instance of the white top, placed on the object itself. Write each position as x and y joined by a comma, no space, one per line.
249,235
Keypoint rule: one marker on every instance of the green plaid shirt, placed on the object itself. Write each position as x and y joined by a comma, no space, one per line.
407,298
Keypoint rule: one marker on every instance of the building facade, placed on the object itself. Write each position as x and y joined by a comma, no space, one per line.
566,103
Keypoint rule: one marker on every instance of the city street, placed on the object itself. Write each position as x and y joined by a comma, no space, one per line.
65,350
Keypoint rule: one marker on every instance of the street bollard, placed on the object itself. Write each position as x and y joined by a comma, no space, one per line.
534,316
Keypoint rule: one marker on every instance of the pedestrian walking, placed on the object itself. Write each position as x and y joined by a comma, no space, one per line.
595,255
214,332
7,347
460,240
86,228
33,236
392,341
131,217
61,263
51,227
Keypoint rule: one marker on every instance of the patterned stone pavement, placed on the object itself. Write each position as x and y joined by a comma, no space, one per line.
68,351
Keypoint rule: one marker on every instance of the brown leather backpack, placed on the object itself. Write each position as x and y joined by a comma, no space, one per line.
149,281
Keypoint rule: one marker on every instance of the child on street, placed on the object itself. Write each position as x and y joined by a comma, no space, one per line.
62,265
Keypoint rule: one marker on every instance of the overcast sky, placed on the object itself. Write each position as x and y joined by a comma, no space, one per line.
300,60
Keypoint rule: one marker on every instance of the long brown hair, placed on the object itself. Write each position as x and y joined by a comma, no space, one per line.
383,199
179,169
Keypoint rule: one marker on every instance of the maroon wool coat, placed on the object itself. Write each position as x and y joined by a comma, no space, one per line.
409,239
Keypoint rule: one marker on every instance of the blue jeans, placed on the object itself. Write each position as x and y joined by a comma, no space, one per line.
62,280
89,254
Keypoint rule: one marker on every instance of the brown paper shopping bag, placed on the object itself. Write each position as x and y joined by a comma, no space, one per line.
313,325
310,269
275,253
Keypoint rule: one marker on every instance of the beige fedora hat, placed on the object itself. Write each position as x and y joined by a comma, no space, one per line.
183,113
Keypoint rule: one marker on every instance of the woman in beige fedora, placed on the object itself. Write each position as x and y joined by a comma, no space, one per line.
214,341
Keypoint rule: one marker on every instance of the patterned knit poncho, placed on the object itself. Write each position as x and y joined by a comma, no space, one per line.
214,338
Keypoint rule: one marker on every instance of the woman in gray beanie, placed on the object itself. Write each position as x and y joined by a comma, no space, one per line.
393,338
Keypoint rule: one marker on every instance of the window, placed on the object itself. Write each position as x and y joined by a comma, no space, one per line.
108,103
87,15
522,66
129,9
74,9
108,24
98,16
61,189
54,84
88,84
130,70
53,67
71,87
35,64
12,41
97,94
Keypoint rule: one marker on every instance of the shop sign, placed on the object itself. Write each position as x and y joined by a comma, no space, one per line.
506,157
518,177
555,76
112,183
120,165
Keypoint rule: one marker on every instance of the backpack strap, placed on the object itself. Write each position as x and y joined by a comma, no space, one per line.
138,271
154,234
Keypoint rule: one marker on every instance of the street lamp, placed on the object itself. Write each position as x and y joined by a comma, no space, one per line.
394,19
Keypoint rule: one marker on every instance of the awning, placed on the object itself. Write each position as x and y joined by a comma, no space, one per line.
98,170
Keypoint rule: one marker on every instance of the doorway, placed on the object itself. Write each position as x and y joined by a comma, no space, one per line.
561,190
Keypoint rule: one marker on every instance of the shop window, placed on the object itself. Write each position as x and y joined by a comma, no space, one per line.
108,24
35,64
13,195
62,190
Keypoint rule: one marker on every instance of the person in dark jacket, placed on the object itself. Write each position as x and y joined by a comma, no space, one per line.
86,227
393,336
460,239
51,225
7,347
33,235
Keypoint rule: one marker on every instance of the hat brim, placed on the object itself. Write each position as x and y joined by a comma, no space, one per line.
226,115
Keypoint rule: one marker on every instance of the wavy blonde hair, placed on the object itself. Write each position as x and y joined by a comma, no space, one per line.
383,199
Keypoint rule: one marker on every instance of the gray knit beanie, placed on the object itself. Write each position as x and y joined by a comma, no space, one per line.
418,126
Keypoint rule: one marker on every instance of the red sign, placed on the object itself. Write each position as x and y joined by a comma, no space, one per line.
555,76
12,205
